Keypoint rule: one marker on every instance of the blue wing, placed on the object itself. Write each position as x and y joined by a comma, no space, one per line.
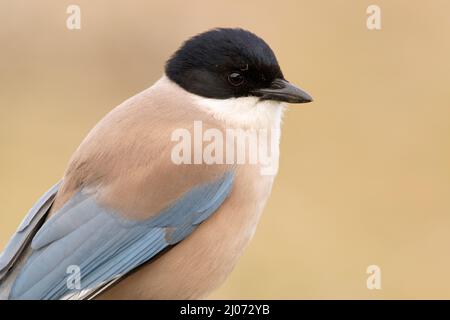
105,246
31,221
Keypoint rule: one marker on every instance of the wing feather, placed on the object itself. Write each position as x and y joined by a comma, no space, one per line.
106,246
26,229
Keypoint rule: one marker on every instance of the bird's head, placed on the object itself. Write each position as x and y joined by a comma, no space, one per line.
225,64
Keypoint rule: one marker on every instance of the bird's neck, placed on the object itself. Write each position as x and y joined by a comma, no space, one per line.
245,112
242,112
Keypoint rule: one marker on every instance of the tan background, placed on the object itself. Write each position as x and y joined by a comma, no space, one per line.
365,170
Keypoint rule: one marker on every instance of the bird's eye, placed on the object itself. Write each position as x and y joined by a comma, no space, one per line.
235,79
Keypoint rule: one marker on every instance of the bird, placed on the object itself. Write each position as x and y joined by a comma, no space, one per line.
126,221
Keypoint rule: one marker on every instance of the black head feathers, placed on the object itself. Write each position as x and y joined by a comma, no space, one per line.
224,63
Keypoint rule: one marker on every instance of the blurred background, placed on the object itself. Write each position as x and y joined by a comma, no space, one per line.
365,170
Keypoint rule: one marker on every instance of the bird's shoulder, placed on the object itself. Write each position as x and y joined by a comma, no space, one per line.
126,159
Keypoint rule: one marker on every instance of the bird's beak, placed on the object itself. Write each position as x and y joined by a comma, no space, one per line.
282,90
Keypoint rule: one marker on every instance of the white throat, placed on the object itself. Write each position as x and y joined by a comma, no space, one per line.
245,112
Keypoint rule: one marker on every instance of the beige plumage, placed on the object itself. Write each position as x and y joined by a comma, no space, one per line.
200,263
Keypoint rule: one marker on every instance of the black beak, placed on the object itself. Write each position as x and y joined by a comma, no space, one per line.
282,90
